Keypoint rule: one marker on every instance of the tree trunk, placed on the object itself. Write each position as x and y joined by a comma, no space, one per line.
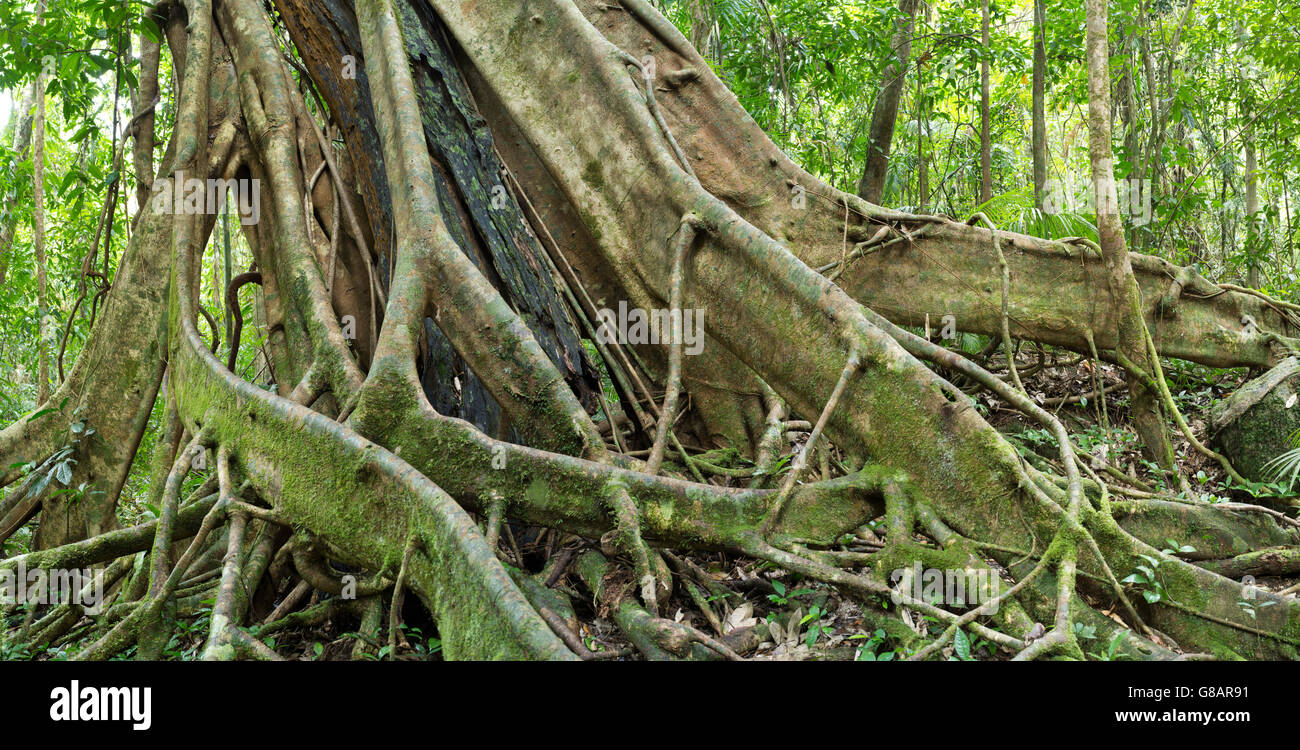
19,134
146,97
657,192
871,187
1039,105
43,312
1253,248
986,143
1131,330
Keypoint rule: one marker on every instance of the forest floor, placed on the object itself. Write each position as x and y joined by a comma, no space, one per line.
766,613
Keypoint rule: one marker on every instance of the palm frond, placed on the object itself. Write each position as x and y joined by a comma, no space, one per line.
1287,465
1014,211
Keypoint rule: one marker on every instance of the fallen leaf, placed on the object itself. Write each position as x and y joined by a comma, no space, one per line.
740,617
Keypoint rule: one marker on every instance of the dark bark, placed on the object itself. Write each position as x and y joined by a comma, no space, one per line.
482,214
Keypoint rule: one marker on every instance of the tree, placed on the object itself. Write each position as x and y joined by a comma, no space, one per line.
884,113
593,157
19,134
986,143
1132,335
1039,95
38,235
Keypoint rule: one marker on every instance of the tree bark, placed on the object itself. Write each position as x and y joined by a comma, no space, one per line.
986,142
19,134
1253,246
146,97
43,311
880,135
1131,330
1039,97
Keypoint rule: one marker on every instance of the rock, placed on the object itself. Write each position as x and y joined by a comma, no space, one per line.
1254,424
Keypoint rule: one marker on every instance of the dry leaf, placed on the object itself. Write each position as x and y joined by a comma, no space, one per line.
740,617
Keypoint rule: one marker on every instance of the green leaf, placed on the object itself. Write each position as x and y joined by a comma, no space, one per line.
41,413
961,645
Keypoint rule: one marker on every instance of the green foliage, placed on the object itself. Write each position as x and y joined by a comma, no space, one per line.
1146,575
1286,467
1110,650
874,649
783,596
1185,88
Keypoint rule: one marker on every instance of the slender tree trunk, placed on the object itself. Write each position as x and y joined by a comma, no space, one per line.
1252,207
702,27
922,154
19,131
1039,103
986,144
1288,245
146,94
38,244
1223,177
1125,296
872,185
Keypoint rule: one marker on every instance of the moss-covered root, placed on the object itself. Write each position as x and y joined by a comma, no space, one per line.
626,538
220,644
1273,561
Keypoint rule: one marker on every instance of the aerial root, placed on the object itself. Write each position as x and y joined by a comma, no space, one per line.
399,594
232,304
626,538
1168,400
863,586
1007,345
668,412
801,461
886,236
